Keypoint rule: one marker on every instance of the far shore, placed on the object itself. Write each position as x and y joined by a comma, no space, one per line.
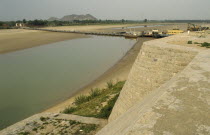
119,72
19,39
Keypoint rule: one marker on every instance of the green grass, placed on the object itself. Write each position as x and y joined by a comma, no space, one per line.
70,110
88,128
110,85
73,122
23,133
82,98
43,118
92,105
196,43
205,44
106,110
189,42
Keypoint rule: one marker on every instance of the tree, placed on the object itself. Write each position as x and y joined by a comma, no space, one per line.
1,23
24,21
145,20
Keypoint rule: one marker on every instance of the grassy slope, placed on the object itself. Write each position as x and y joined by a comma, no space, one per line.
98,103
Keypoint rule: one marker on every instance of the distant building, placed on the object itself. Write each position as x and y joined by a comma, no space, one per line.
20,25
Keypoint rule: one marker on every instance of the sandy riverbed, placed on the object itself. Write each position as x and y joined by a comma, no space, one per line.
18,39
109,28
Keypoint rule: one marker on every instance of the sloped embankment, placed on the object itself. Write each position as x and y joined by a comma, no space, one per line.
156,63
167,92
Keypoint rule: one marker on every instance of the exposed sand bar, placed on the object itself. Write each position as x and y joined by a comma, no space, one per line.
118,72
91,27
13,40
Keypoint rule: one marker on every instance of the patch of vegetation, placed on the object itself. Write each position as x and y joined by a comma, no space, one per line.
88,128
82,98
98,103
24,133
73,122
189,42
205,44
43,118
70,110
34,129
196,43
110,84
106,110
94,93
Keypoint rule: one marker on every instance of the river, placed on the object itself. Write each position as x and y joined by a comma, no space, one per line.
35,79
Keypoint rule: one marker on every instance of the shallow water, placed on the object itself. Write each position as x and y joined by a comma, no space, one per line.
34,79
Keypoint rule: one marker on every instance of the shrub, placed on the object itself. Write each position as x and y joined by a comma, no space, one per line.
34,129
94,93
205,44
69,110
88,128
24,133
196,43
110,84
42,118
106,110
73,122
189,42
81,99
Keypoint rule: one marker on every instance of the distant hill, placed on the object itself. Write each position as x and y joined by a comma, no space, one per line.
53,19
74,17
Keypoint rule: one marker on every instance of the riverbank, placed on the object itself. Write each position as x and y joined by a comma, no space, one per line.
18,39
116,73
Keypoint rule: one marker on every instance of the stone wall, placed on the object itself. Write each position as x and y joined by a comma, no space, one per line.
156,63
164,95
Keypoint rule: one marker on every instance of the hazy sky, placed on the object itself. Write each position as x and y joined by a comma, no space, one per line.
105,9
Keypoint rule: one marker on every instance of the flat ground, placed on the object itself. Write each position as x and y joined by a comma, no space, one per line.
18,39
12,40
196,37
109,28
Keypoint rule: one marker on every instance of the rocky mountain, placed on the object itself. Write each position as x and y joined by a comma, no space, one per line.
74,17
53,19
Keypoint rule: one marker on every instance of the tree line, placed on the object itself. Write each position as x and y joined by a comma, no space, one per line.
44,23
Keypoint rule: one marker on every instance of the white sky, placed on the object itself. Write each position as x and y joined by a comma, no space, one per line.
105,9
